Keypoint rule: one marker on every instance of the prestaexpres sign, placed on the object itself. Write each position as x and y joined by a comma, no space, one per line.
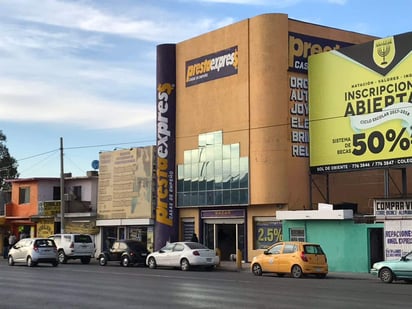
166,213
213,66
302,46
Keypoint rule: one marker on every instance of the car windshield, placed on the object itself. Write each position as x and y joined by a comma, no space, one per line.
196,245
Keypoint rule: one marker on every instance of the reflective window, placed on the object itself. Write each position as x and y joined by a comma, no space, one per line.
213,174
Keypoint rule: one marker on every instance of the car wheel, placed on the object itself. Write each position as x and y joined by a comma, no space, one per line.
125,261
102,260
152,263
296,271
257,269
11,261
85,260
30,262
386,275
55,264
62,257
184,264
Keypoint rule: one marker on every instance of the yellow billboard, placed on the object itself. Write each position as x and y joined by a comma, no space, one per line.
360,106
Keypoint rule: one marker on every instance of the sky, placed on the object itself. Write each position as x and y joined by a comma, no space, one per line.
83,72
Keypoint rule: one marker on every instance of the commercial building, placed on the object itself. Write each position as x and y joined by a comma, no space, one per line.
234,104
126,196
34,209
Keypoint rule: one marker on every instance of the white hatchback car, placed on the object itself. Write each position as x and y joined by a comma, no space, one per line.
183,255
32,251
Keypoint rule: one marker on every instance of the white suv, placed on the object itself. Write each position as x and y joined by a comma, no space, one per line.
74,246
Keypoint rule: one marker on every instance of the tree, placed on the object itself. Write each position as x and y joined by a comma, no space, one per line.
8,164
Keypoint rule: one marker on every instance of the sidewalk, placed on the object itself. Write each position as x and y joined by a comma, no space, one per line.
232,266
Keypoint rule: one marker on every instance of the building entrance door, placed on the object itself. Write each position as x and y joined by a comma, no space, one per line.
227,237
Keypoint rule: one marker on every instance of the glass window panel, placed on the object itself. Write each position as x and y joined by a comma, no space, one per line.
202,198
210,156
244,165
226,197
202,184
226,152
244,181
218,155
234,167
210,197
210,185
180,186
234,196
234,183
226,174
180,171
226,183
218,168
202,140
210,171
202,169
195,185
244,196
218,137
218,197
186,199
234,151
187,171
218,182
194,199
195,170
226,168
202,154
210,139
186,185
195,155
187,157
180,199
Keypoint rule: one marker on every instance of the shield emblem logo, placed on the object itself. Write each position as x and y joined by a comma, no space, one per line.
384,51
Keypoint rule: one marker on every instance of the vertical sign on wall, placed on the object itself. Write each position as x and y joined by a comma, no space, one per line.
166,213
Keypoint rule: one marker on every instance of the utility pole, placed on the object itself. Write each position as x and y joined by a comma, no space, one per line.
61,188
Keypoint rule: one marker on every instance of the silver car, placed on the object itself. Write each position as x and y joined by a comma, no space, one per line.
32,251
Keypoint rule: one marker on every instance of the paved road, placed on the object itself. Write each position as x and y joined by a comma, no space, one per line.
91,286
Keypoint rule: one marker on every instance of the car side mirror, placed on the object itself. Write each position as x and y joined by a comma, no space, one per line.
266,252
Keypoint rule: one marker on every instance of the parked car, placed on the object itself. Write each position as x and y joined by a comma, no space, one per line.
183,255
291,257
32,251
390,270
127,252
74,246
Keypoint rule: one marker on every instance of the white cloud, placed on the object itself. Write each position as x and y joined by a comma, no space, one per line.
144,22
59,105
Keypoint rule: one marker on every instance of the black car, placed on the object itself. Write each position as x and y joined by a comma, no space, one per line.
127,252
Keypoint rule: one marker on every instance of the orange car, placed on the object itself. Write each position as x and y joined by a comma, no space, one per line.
291,257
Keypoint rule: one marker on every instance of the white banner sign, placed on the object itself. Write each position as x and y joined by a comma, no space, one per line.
392,208
398,238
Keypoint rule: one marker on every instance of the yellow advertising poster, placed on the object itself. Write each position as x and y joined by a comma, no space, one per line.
360,106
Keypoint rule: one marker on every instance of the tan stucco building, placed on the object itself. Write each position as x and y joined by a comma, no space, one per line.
242,126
